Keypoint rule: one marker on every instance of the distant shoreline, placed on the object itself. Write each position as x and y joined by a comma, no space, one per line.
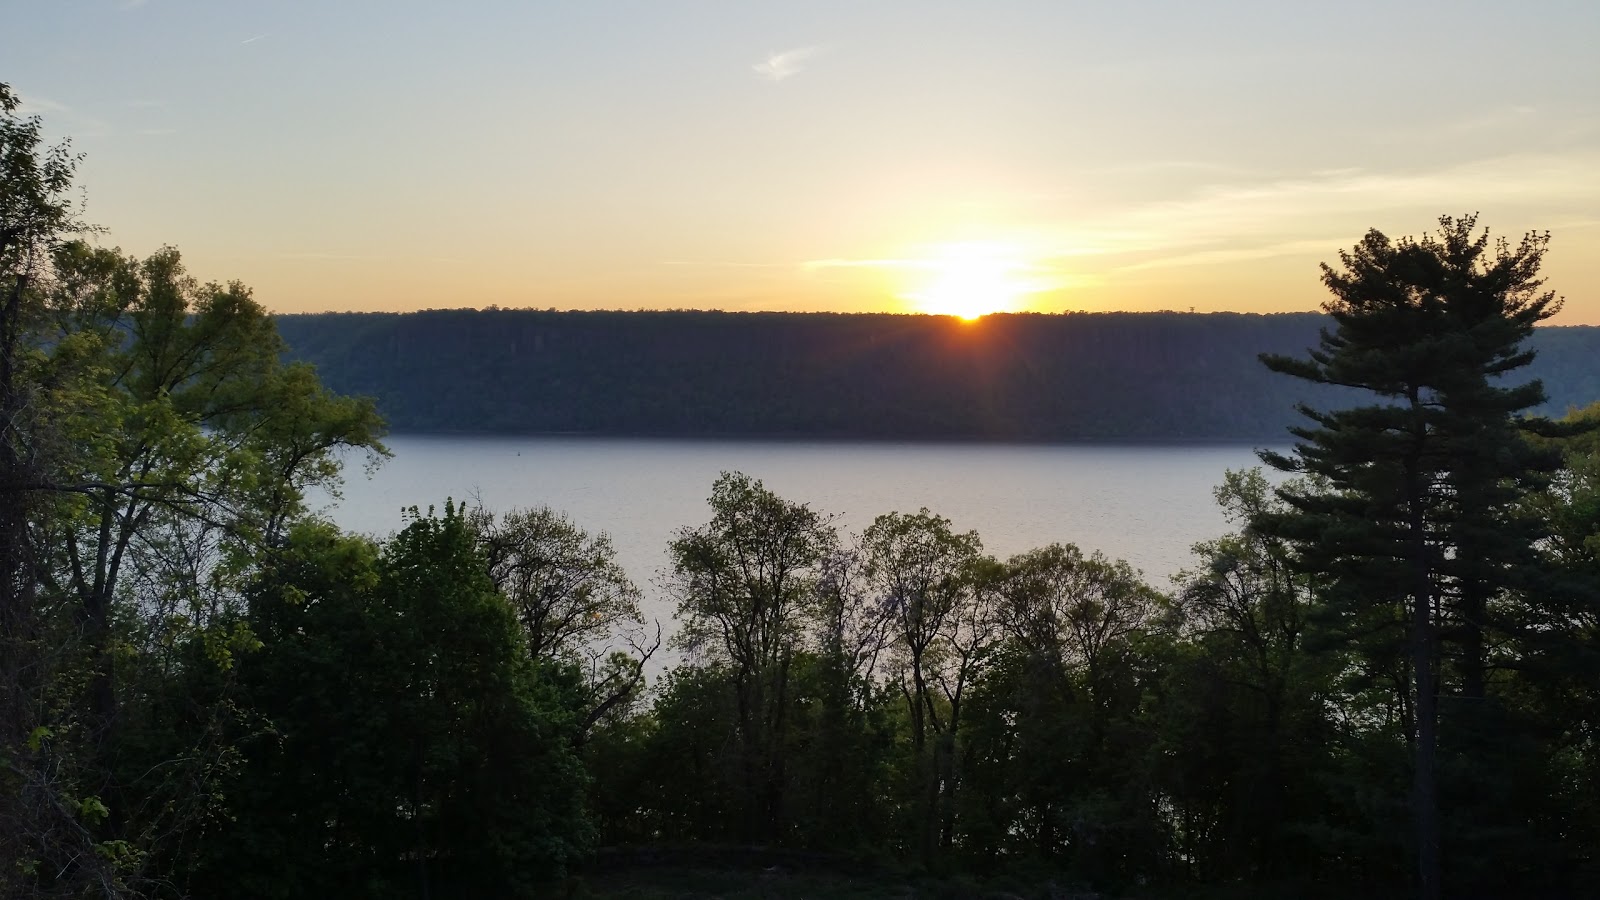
738,438
1085,378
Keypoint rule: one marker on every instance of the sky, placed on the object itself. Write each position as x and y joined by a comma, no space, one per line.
869,155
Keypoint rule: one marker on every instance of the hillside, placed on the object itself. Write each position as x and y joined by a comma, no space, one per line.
1083,376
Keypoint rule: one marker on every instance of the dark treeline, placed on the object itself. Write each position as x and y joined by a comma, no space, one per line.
1384,681
1083,376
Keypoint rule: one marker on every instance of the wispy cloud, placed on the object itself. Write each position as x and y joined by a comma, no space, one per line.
1146,167
812,265
1240,254
778,66
64,118
361,257
1496,119
252,40
1232,222
723,264
33,105
1317,213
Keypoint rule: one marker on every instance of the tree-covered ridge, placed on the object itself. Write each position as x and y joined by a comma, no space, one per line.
1081,376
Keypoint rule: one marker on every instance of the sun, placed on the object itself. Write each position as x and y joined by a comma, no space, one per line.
970,280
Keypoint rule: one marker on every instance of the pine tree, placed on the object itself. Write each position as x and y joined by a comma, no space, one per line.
1411,516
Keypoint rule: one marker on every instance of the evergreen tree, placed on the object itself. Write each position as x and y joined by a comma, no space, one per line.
1412,513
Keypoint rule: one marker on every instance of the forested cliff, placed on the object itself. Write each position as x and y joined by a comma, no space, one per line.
1080,376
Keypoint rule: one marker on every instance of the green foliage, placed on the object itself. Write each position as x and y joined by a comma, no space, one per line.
744,581
574,603
1417,521
412,745
1249,748
153,447
1057,749
40,834
942,626
178,450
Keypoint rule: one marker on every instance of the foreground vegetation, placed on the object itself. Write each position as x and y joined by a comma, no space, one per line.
1385,680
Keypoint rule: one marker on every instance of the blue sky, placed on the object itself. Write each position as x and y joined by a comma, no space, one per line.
819,155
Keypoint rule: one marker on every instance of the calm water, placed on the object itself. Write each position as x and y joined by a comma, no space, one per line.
1145,504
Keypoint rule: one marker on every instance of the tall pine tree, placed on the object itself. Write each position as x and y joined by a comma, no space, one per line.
1411,514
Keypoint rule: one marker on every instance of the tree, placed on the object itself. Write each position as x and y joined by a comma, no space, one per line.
1413,518
851,621
409,745
194,446
573,601
1079,610
1070,623
36,218
744,583
153,444
1243,699
930,580
1561,662
40,827
843,712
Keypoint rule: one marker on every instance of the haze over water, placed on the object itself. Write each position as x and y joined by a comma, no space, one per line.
1144,503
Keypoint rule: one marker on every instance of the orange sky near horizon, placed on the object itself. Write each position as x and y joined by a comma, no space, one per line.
899,157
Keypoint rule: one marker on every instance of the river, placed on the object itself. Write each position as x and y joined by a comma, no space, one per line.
1147,504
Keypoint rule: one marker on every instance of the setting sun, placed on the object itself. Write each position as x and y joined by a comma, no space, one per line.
972,280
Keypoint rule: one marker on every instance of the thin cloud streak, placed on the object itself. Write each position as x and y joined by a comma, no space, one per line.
842,263
1243,254
1312,215
33,105
779,66
718,264
77,124
357,257
252,40
1168,165
1200,229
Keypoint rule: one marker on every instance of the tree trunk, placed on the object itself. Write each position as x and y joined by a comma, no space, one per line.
16,560
932,766
777,768
1473,664
948,780
1424,783
748,693
1425,788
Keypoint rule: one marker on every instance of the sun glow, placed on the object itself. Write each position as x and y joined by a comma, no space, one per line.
972,280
